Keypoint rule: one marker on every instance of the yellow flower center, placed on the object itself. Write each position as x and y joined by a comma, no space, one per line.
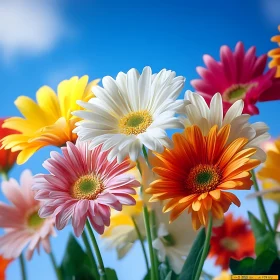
87,187
203,178
135,122
236,92
34,221
229,244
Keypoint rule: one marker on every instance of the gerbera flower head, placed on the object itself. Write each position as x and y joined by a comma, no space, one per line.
269,174
275,55
3,266
234,239
205,117
239,75
7,157
199,173
83,184
21,222
174,241
121,234
49,121
131,111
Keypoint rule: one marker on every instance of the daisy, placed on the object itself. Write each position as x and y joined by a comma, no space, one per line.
7,157
174,241
269,174
131,111
275,55
274,63
234,239
239,75
49,121
205,117
83,184
21,222
199,173
121,234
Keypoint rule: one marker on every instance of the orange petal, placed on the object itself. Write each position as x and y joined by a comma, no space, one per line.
216,194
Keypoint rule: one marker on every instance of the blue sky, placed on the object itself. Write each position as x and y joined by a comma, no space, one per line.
44,42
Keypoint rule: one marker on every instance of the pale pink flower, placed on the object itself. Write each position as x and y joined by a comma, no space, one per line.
21,222
83,184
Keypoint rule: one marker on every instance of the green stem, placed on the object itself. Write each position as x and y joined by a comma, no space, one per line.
90,254
56,268
141,242
101,267
154,236
150,243
263,213
145,153
22,267
205,249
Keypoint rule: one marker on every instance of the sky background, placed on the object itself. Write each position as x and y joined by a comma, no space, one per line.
44,42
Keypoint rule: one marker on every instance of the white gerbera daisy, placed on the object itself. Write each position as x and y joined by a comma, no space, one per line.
132,111
198,113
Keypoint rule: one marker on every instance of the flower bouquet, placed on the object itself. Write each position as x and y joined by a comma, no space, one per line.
121,172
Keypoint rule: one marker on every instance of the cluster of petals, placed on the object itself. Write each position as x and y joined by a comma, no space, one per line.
131,111
49,121
200,172
22,225
205,116
239,75
83,184
234,239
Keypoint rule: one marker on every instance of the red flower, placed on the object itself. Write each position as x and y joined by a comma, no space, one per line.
234,239
3,265
239,75
7,157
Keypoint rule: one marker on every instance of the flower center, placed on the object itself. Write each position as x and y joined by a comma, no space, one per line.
229,244
135,122
203,178
87,187
34,221
236,92
168,240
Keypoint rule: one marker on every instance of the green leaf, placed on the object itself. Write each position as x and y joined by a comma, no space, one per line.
163,271
264,261
76,263
168,276
277,218
264,238
192,260
244,266
111,274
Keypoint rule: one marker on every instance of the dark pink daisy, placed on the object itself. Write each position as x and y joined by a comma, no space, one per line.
239,75
84,184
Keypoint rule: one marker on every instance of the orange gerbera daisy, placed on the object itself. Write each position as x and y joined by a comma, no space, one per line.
3,265
275,54
234,239
199,171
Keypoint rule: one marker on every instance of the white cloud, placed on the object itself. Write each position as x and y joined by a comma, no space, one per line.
29,26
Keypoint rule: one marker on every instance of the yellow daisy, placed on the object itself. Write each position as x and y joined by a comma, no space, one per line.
269,174
49,121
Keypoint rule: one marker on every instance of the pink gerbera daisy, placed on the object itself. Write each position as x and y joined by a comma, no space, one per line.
239,75
21,221
83,184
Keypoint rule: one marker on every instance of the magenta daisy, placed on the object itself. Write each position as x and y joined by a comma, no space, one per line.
21,222
239,75
83,184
